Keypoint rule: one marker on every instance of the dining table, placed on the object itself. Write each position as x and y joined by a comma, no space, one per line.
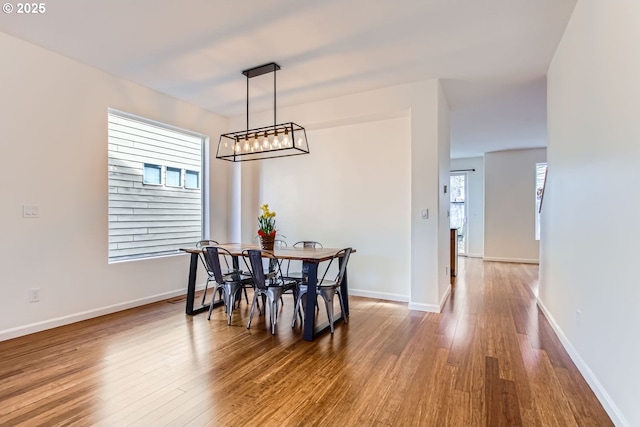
311,259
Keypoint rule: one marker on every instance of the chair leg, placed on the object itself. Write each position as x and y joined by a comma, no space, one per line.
204,294
328,303
297,310
344,315
273,315
264,304
211,305
232,301
253,306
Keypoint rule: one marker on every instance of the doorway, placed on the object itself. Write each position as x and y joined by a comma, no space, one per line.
458,208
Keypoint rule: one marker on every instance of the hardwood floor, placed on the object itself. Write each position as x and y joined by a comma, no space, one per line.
490,359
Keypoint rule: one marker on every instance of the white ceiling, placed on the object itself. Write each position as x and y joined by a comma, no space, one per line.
492,55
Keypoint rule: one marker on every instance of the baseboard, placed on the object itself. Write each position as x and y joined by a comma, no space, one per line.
431,308
602,395
378,295
517,260
19,331
444,298
473,255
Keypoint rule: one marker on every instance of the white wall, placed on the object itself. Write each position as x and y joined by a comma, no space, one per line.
53,153
590,228
475,203
408,127
509,205
351,192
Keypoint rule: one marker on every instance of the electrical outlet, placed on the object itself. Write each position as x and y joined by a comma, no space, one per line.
30,211
34,294
578,317
446,271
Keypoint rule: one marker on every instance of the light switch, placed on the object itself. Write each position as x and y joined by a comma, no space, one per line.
30,211
424,214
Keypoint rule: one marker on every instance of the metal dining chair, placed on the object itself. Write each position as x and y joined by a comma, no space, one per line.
327,288
269,269
200,245
228,284
267,288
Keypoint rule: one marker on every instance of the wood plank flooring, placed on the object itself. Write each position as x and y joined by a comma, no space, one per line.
489,359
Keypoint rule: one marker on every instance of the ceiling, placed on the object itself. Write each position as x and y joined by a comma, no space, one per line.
492,55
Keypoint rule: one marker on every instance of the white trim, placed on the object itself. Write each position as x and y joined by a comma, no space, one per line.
378,295
431,308
602,395
8,334
518,260
444,298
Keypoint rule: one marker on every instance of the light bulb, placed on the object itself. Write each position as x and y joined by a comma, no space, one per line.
285,140
299,142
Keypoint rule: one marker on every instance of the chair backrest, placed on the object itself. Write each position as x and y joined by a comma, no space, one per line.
343,256
203,243
279,243
212,256
255,265
307,244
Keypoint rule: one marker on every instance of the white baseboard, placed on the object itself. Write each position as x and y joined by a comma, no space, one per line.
431,308
378,295
19,331
473,255
602,395
518,260
444,298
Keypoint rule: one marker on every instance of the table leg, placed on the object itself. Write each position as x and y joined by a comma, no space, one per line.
310,313
191,284
191,290
344,290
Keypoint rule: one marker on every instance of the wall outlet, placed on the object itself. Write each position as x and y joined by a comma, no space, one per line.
30,211
578,317
446,271
34,294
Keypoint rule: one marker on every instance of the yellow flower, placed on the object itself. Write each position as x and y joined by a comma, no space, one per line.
266,223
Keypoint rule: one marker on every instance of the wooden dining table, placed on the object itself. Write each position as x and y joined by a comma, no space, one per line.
311,259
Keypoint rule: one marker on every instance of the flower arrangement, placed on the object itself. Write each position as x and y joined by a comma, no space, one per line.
266,222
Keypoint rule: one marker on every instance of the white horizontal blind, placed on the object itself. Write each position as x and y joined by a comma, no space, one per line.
151,219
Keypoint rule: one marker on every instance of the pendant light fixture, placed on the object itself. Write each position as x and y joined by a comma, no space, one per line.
268,142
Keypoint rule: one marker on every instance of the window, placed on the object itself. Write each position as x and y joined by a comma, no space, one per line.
150,212
174,177
152,174
541,174
458,208
192,179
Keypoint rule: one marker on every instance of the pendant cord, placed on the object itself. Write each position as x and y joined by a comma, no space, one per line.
247,104
274,98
